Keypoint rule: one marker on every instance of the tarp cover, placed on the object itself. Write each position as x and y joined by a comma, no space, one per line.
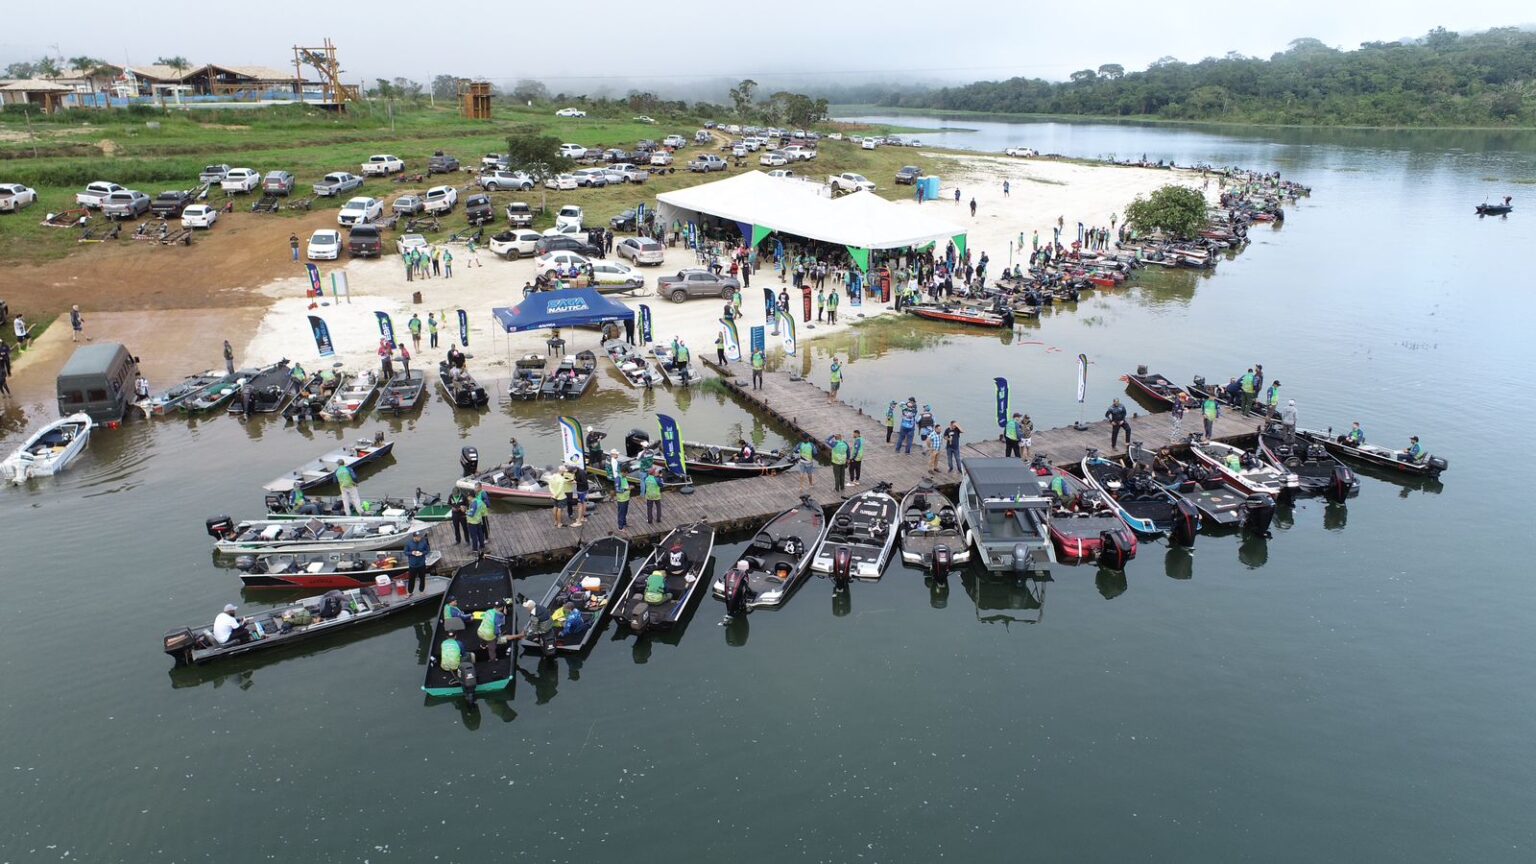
800,207
573,307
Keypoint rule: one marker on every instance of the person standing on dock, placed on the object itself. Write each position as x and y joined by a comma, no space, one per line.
229,358
890,420
621,493
417,548
807,453
1210,409
1027,436
932,445
839,451
475,516
1116,417
1011,436
1249,386
952,434
720,349
855,457
908,425
758,360
458,505
1177,429
350,496
650,487
386,364
557,493
837,379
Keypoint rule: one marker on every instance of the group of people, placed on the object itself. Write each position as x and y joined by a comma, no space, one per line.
428,262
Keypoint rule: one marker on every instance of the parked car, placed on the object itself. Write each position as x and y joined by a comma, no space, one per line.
213,174
558,259
359,210
515,243
365,241
834,136
868,144
277,183
406,242
496,181
850,182
14,196
199,216
566,243
567,230
379,166
127,204
1021,152
570,112
440,200
625,221
591,178
324,245
617,273
783,174
630,173
799,152
492,160
641,250
519,214
738,150
96,193
706,163
908,175
773,158
915,142
478,209
169,204
569,214
408,205
561,182
645,118
691,284
336,184
674,141
442,163
241,180
573,151
661,158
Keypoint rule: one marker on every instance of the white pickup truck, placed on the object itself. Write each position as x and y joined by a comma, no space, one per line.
850,182
95,194
378,166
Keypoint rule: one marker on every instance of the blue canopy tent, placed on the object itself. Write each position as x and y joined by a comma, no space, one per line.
573,307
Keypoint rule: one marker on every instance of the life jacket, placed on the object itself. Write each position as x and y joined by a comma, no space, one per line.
757,360
451,655
837,373
1210,409
1234,463
858,449
1059,487
1247,382
652,488
345,478
1011,430
621,489
840,453
807,452
655,588
488,625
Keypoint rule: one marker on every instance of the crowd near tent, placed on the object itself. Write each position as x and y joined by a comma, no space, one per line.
760,205
572,307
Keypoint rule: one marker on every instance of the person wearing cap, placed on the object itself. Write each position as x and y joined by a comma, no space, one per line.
890,420
677,561
351,497
583,488
839,450
570,620
539,621
1248,385
557,491
836,378
227,628
1273,399
855,457
517,458
568,482
1288,419
1011,436
417,548
492,622
656,588
621,492
1413,452
451,610
1355,437
650,489
474,514
908,425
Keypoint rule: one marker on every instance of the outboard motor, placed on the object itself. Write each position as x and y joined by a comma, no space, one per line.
1114,550
1340,484
469,679
1021,558
640,618
1185,523
220,527
943,559
1141,369
1258,513
245,563
1436,465
735,594
1199,382
469,460
635,442
179,644
842,568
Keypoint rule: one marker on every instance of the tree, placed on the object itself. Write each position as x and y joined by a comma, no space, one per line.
47,67
446,86
742,96
21,69
1440,38
179,63
84,63
529,90
405,88
383,89
537,154
1112,71
1083,76
1178,211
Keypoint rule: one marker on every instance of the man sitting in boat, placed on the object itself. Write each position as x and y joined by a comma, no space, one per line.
656,588
570,621
677,560
1413,453
455,357
450,656
228,630
452,610
1234,462
782,571
1355,437
746,453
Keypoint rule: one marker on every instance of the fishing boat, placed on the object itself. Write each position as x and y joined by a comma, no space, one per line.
935,548
1219,505
1201,391
1007,515
318,472
351,398
309,571
270,391
572,378
633,366
1317,471
1245,471
1084,525
315,394
170,399
214,395
421,507
1385,458
460,388
955,314
676,374
683,557
860,538
478,587
1494,209
1148,508
592,580
339,609
527,377
315,534
1156,389
49,450
717,460
528,486
778,557
402,393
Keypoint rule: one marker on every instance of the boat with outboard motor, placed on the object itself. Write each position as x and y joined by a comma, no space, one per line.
309,403
1385,458
777,559
49,450
170,399
476,662
528,486
338,609
1007,515
955,313
307,571
1245,471
527,377
319,472
1219,505
1154,389
592,580
677,374
421,507
315,534
405,391
932,530
214,395
572,378
459,387
633,366
683,558
860,537
1084,525
270,391
1494,209
716,460
1148,508
1317,471
351,398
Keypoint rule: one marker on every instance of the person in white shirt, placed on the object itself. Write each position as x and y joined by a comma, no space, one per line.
227,628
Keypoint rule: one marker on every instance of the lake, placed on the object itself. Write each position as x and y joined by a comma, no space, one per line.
1359,687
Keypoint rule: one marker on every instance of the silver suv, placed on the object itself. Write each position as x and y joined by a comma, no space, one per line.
495,181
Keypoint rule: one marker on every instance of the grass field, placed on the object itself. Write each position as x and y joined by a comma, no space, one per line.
156,151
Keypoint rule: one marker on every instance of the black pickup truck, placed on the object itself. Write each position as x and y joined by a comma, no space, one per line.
442,163
479,210
168,205
365,241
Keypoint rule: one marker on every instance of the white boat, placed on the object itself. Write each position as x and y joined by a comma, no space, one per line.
633,365
678,375
49,450
316,534
1007,515
919,540
866,526
318,472
352,399
1249,474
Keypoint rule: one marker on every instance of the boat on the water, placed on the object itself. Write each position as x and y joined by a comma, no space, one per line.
923,544
402,393
955,314
592,580
270,391
1084,525
214,395
777,559
683,558
460,388
1385,458
1245,471
172,398
338,609
319,472
468,669
1317,471
527,377
716,460
1220,505
315,534
1494,209
49,450
860,537
677,374
309,403
529,486
1007,515
633,366
421,507
1140,502
307,571
351,398
1155,389
572,378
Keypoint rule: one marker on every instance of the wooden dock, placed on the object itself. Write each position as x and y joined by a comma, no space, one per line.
529,537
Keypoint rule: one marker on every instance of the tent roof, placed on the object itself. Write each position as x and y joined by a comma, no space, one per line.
799,207
573,307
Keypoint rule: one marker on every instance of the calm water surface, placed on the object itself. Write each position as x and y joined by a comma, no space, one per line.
1359,687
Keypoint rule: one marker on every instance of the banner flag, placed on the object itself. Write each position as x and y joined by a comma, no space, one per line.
787,331
732,339
322,336
572,441
1002,400
1082,377
314,279
463,328
645,324
386,326
672,446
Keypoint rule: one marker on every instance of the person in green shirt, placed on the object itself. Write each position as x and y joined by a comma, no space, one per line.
431,330
1248,384
736,301
475,516
621,493
720,349
833,299
839,450
650,487
837,379
350,496
557,493
807,453
1273,400
758,361
1210,409
855,457
415,327
821,304
890,420
656,588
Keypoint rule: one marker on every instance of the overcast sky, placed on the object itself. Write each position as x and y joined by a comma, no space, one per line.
607,44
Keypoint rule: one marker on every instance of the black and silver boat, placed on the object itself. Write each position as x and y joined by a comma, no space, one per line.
682,557
592,580
859,541
777,559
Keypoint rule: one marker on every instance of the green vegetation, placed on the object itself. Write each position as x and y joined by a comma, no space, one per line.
1178,211
1442,79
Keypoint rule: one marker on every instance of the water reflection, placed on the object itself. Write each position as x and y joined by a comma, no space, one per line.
737,630
1335,516
938,592
1179,563
1005,599
1111,583
1253,552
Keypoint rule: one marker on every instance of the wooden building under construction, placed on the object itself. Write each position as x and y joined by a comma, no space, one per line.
475,99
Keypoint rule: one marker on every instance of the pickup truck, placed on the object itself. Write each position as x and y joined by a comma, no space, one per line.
850,182
213,174
95,194
496,181
168,205
337,183
706,163
519,214
632,173
365,241
241,180
442,163
379,166
440,199
478,209
908,175
125,204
